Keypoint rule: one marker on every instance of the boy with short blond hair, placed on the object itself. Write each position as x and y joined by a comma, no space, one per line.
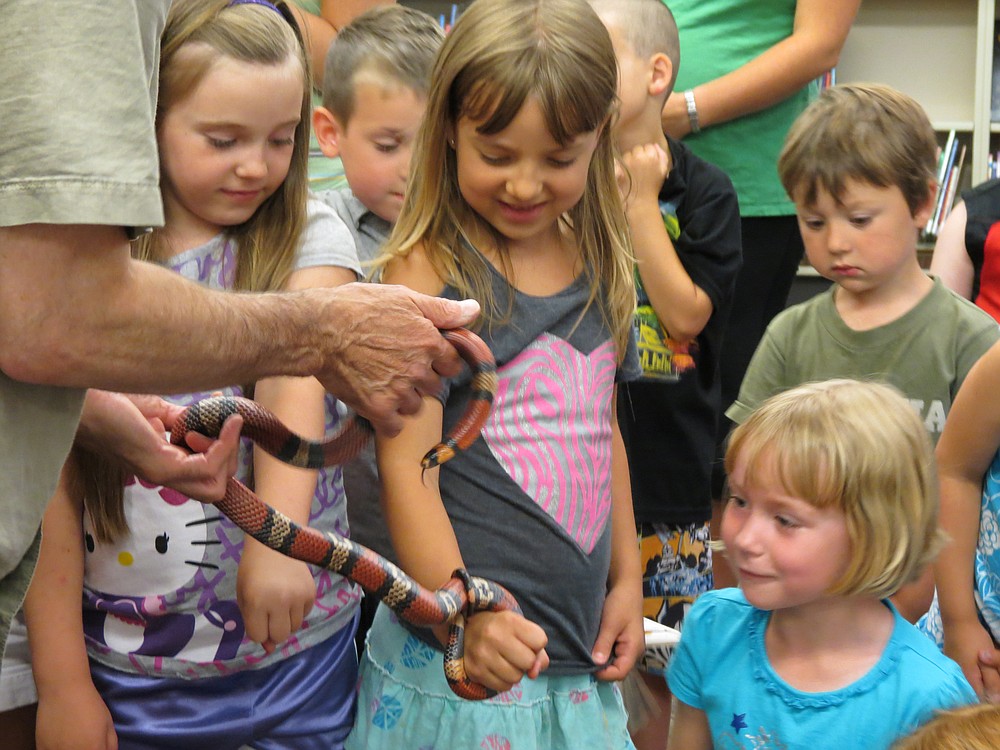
860,163
374,95
684,221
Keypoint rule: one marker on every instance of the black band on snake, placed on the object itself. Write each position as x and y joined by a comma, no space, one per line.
460,597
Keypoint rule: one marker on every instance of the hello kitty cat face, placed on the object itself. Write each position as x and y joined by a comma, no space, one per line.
166,546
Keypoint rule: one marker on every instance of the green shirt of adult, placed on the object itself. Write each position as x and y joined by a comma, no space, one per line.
716,38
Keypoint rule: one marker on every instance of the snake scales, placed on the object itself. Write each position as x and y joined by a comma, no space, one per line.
457,599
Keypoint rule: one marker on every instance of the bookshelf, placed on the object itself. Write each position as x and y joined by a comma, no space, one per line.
940,52
438,9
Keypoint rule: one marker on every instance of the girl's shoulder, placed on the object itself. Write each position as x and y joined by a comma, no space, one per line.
414,270
724,611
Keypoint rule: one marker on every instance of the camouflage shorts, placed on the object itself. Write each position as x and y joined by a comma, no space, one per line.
677,568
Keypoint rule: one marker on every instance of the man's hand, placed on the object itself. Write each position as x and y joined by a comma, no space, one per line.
130,430
388,352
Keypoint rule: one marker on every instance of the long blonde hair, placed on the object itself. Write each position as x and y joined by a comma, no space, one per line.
204,31
500,53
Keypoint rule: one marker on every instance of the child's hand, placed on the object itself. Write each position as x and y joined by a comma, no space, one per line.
648,166
621,636
968,643
74,718
503,647
274,592
989,668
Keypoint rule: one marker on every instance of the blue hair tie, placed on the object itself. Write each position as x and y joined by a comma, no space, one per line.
265,3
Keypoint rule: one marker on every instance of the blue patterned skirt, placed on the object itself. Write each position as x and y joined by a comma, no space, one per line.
987,565
404,702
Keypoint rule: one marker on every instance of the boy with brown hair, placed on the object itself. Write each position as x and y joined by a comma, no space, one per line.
859,163
374,96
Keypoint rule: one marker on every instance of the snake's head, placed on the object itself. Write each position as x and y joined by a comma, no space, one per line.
439,454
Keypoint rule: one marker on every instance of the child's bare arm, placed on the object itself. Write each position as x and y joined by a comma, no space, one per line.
621,634
965,450
681,305
275,592
71,713
499,647
688,728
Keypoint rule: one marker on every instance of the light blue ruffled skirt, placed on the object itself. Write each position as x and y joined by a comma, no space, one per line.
404,702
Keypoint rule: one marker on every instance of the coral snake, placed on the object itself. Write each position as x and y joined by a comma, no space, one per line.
453,602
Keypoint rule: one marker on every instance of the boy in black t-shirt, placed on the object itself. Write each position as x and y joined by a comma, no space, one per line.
684,218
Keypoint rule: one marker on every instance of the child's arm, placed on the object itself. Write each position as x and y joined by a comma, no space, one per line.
951,260
71,714
500,648
681,305
621,634
688,728
275,592
966,448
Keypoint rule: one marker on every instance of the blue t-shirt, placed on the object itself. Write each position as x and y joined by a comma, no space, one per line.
721,667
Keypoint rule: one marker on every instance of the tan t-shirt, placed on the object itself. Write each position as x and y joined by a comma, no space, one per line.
78,96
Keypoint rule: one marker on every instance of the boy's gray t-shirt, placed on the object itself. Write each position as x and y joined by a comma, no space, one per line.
369,230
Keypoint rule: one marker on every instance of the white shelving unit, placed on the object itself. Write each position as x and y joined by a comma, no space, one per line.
939,52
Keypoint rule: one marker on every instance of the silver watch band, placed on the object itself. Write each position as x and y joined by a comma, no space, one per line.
692,109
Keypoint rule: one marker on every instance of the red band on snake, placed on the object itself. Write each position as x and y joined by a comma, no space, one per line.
457,599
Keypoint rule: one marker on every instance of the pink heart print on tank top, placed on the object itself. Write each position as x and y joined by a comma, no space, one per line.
550,429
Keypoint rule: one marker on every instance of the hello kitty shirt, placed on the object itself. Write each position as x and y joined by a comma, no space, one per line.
162,600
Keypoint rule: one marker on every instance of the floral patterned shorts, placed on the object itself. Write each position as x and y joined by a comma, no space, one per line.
404,702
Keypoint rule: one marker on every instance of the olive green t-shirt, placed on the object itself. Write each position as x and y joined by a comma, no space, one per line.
926,353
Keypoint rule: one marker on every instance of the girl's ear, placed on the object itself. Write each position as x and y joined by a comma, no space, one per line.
328,131
661,71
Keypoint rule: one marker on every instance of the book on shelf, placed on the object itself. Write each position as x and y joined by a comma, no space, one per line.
948,175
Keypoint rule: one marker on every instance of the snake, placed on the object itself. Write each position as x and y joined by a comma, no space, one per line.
451,604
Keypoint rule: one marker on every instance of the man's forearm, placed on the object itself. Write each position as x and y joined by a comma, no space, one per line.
76,310
113,323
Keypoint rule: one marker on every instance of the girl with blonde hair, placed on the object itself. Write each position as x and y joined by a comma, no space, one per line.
197,637
832,507
513,201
